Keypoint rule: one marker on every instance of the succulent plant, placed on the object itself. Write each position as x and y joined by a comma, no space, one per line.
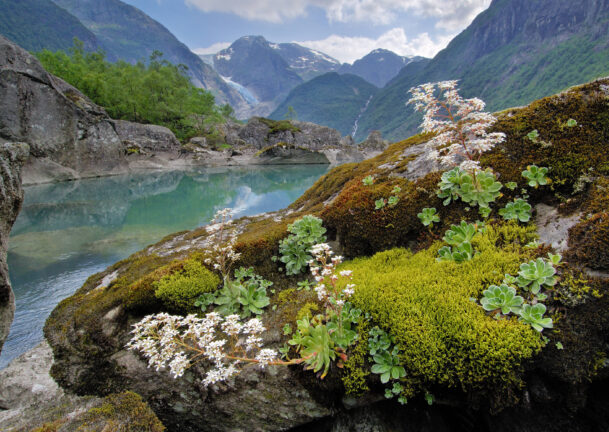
459,234
294,249
534,274
387,365
315,345
368,180
519,209
463,252
536,176
428,217
533,315
379,203
245,295
501,297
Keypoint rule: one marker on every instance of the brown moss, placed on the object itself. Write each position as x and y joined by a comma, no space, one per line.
589,242
124,412
573,151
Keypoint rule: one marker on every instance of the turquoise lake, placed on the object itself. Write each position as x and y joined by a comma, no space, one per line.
69,231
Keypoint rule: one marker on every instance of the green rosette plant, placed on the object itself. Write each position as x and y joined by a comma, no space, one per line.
428,217
246,295
295,248
387,365
501,297
315,345
519,209
536,176
533,315
534,274
459,234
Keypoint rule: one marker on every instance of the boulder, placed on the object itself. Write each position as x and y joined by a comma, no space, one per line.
58,122
12,158
146,138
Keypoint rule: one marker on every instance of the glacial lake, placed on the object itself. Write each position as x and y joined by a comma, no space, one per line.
69,231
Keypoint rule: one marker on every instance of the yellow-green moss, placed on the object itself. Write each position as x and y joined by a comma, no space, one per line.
180,289
355,370
445,338
308,310
124,412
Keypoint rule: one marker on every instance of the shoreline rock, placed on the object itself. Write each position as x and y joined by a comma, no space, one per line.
12,158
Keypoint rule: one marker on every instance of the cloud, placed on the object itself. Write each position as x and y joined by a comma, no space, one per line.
348,49
452,15
212,49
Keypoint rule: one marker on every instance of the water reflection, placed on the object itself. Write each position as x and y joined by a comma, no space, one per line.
68,231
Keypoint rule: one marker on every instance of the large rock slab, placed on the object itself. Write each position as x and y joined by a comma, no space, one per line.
12,158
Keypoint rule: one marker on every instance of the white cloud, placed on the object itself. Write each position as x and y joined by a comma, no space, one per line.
348,49
452,15
212,49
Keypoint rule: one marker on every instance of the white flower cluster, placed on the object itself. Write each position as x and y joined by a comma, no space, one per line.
223,251
460,124
323,265
164,338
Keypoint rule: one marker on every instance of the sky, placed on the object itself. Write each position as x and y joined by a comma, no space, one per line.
344,29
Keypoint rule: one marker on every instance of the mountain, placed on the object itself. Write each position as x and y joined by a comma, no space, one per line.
127,33
330,100
33,25
307,63
513,53
267,71
251,62
378,66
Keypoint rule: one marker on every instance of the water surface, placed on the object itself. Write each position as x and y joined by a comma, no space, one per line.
69,231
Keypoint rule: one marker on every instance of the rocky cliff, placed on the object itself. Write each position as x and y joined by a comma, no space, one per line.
12,158
69,136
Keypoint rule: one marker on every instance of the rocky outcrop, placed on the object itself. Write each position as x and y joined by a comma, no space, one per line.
30,399
283,154
69,136
12,158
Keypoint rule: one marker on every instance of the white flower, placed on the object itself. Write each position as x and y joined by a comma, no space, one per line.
232,325
253,326
470,165
345,273
265,356
253,342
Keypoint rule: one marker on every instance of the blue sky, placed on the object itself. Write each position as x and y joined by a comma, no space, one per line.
344,29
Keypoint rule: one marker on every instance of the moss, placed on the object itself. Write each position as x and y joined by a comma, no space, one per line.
124,412
355,370
572,151
179,290
444,337
277,126
307,310
589,242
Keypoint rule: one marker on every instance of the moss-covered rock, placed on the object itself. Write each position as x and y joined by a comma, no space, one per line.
448,342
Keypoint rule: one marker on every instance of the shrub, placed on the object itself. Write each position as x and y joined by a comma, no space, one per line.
180,290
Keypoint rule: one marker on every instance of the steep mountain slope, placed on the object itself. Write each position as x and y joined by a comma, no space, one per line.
514,52
33,25
331,100
127,33
378,66
253,63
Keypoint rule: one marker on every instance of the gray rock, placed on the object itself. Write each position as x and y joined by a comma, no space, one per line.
287,154
147,138
12,158
374,142
552,227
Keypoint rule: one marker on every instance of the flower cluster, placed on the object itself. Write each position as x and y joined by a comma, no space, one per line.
173,342
323,265
460,124
224,240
